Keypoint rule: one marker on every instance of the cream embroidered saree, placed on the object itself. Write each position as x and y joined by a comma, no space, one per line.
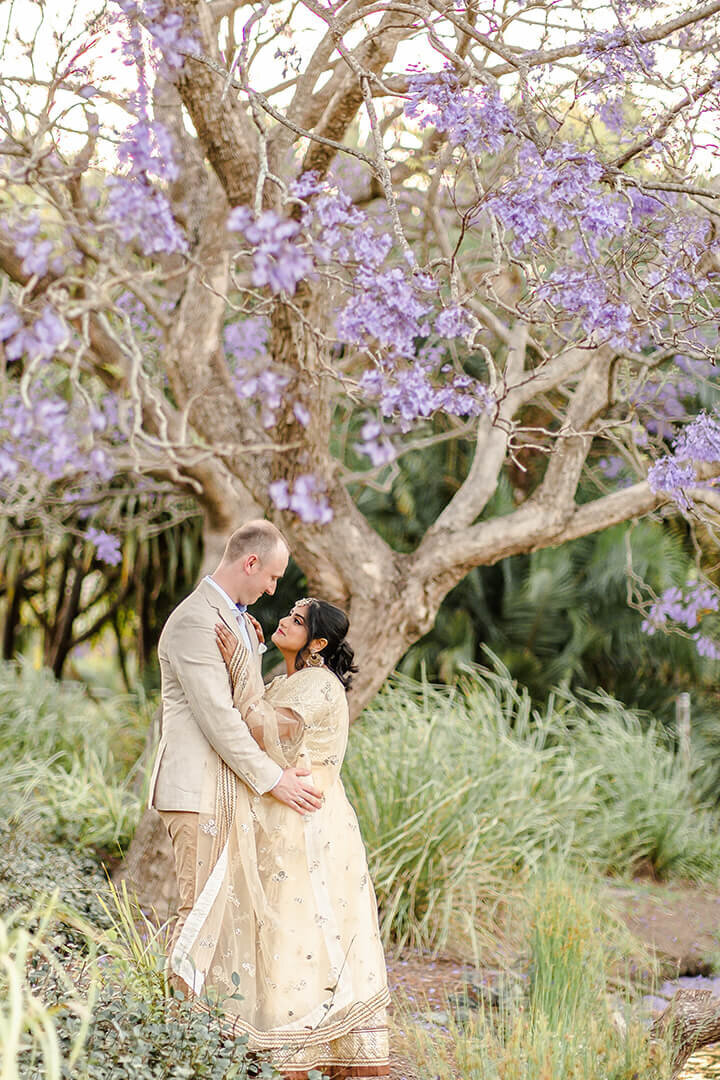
284,934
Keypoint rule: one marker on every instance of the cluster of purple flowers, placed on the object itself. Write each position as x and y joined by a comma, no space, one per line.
452,322
389,309
44,437
277,260
31,247
409,394
306,498
618,58
583,294
558,190
675,473
37,341
142,215
265,386
375,443
686,607
246,339
139,211
107,547
166,27
475,118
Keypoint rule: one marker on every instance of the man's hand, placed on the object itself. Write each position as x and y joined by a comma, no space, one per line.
256,627
297,793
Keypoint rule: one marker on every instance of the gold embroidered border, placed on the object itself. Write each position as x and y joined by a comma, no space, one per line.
279,1039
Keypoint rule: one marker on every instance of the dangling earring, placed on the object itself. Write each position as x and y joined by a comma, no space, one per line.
315,660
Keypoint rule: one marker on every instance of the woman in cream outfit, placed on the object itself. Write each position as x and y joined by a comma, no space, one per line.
284,934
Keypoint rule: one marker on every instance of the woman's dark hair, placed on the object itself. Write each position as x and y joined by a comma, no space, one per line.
324,620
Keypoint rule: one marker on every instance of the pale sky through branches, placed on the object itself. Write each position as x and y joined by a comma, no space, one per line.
275,56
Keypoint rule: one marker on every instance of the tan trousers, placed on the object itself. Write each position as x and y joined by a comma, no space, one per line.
183,826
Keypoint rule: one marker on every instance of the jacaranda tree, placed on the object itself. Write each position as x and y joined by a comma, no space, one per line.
257,252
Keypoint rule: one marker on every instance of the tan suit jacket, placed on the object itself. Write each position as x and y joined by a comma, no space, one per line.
199,721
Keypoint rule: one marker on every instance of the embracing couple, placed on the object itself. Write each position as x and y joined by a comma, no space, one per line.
277,921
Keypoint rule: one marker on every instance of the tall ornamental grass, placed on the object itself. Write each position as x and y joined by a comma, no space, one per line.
462,792
567,1027
67,761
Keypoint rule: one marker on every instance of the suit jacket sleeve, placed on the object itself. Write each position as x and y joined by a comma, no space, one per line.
201,671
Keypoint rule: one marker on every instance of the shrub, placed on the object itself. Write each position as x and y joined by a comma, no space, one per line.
67,761
462,792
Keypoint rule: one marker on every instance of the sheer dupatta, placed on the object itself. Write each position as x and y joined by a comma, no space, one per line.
215,954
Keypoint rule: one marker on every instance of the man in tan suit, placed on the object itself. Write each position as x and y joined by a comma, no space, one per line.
199,721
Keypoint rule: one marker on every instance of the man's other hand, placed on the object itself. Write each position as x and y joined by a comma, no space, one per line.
297,793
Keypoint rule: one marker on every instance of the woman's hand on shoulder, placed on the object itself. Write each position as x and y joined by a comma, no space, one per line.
226,641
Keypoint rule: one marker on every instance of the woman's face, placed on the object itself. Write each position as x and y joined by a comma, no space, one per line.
291,634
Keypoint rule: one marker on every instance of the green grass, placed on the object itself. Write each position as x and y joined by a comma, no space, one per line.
462,793
68,762
566,1027
489,828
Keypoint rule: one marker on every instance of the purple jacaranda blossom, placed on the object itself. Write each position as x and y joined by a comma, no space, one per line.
388,308
306,185
369,247
147,150
611,466
558,190
453,322
34,251
306,499
684,606
675,473
674,478
612,113
412,394
582,294
301,413
40,340
107,547
700,439
278,259
10,321
166,28
618,58
41,435
475,118
707,647
375,444
246,339
643,205
141,214
264,386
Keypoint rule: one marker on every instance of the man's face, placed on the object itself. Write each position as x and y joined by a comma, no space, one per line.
261,576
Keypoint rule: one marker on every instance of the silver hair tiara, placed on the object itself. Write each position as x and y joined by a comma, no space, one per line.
305,601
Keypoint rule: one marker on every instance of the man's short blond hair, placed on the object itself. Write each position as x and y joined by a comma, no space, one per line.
259,538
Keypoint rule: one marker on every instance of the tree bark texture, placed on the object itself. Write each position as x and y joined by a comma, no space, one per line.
691,1021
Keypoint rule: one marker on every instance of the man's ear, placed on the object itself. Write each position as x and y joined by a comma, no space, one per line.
250,563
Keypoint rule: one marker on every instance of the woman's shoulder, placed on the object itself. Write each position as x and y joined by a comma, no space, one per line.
311,686
320,679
